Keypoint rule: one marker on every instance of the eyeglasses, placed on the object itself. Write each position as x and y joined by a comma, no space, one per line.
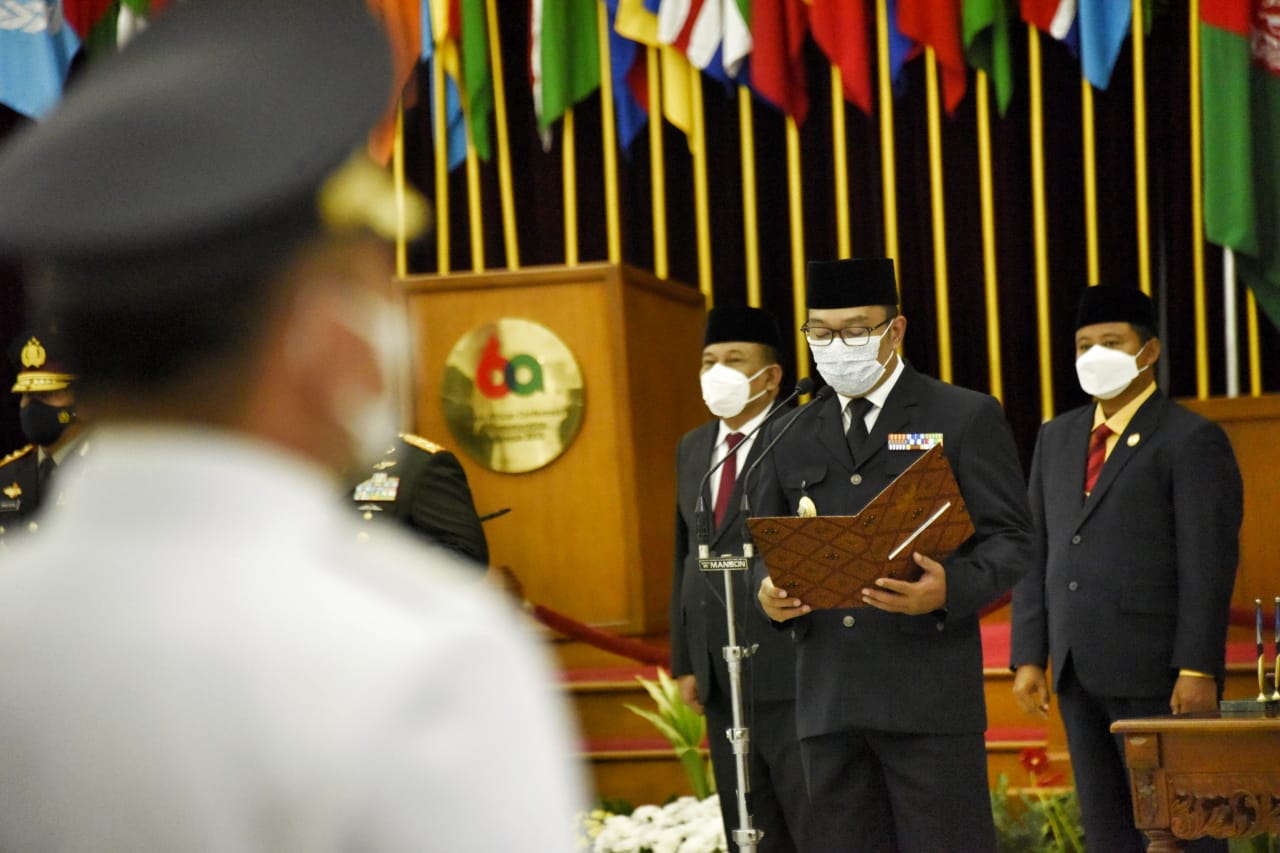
854,336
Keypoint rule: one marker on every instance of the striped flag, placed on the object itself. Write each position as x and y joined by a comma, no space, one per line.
638,20
36,47
1055,17
1240,79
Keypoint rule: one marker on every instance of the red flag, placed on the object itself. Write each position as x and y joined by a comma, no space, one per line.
937,24
840,28
777,58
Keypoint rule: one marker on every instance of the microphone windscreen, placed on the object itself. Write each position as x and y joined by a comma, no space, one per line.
805,386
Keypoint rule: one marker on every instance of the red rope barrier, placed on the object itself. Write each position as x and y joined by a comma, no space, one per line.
618,645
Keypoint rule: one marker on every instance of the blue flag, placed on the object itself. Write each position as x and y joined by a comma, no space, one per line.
629,114
455,122
36,46
1104,25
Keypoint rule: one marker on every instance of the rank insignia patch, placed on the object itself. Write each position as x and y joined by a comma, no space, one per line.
379,487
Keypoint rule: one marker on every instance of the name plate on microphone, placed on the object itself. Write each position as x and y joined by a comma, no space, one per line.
726,563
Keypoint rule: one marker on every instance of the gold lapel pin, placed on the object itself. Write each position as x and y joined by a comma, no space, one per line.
1133,440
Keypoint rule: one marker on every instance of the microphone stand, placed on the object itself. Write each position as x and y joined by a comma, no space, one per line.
746,837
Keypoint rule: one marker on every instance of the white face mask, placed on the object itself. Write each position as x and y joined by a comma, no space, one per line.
851,371
727,391
1104,372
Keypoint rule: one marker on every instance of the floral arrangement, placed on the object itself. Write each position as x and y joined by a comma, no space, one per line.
685,825
1047,819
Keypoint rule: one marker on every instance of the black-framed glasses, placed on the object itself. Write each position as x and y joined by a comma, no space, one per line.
853,336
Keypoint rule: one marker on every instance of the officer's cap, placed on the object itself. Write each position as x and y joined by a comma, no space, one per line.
38,360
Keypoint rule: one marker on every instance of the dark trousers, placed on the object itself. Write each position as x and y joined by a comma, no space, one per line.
876,792
1097,762
777,798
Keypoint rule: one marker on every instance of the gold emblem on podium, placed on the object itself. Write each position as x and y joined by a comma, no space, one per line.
512,395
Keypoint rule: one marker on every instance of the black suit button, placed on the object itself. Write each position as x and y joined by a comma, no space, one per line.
1073,586
1075,540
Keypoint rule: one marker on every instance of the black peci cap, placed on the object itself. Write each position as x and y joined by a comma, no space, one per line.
1104,304
221,115
852,283
740,323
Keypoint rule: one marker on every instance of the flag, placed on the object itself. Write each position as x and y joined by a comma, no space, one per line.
840,28
627,69
637,20
477,76
564,56
777,56
986,43
1240,81
1055,17
936,23
901,47
403,22
1104,25
36,46
455,124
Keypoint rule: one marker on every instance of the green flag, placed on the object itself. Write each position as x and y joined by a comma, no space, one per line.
564,56
477,76
986,44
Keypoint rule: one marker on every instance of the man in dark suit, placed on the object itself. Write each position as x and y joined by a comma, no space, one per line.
890,703
420,484
1137,505
47,410
740,377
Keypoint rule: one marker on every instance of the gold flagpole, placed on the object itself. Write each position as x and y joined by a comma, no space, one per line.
441,132
1089,150
701,206
608,139
747,145
1255,356
838,143
888,169
990,286
1197,207
1140,147
475,206
510,236
657,169
799,297
569,167
941,290
1040,226
397,171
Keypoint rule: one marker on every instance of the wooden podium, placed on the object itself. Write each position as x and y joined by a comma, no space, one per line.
591,533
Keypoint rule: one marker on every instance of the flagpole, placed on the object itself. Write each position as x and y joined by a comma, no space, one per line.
888,169
1230,322
510,236
1140,147
941,288
750,217
1255,356
397,172
569,166
608,138
701,212
795,187
657,170
990,283
475,206
1090,156
838,144
1197,207
1040,228
441,134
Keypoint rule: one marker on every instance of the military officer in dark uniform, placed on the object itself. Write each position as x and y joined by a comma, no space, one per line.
48,416
423,486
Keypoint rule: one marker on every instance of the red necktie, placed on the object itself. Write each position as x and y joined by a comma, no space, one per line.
728,476
1097,455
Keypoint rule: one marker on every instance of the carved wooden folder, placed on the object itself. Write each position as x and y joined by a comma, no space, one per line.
826,561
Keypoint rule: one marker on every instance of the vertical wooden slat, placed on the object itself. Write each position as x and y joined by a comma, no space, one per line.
1088,144
397,173
1255,354
510,236
608,140
569,167
657,167
888,168
938,204
1040,226
1140,147
475,206
701,205
990,280
839,147
750,210
1197,207
795,188
440,131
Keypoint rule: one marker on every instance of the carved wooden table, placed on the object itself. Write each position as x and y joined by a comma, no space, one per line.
1202,774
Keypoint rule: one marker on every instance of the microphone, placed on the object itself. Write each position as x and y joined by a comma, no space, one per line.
825,392
804,386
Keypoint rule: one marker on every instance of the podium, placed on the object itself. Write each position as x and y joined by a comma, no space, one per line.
590,533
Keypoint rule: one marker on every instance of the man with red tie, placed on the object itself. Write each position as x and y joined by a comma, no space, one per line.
740,379
1137,505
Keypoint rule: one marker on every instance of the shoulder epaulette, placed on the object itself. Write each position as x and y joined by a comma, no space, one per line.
17,454
420,442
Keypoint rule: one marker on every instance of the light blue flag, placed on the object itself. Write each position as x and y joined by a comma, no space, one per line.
455,122
36,46
1104,25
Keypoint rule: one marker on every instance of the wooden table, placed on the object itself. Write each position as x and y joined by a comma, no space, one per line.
1203,774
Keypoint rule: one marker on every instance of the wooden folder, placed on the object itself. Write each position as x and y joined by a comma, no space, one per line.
827,560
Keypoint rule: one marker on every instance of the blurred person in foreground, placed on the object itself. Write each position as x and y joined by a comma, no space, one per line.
196,653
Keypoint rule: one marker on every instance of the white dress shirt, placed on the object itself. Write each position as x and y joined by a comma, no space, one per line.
197,654
877,398
744,448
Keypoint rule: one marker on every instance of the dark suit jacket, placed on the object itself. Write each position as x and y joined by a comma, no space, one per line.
863,668
19,489
1134,583
698,631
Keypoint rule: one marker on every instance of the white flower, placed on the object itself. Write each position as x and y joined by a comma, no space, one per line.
683,826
